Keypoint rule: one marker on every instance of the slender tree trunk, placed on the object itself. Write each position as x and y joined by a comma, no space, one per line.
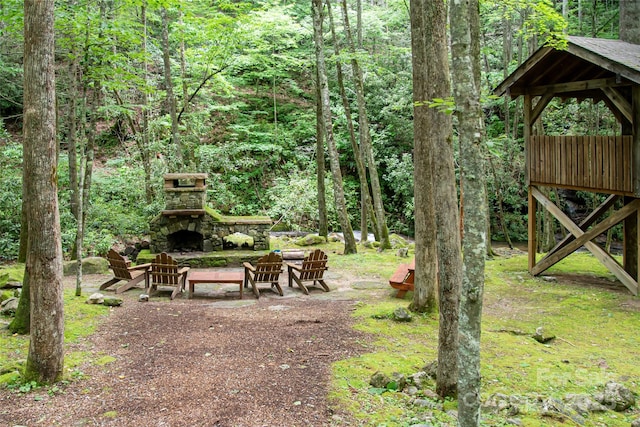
365,196
630,21
143,140
446,211
44,260
365,136
465,54
168,82
425,130
323,222
21,323
334,160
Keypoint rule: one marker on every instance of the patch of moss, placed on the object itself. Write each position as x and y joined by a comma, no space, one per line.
217,216
596,329
311,240
13,272
104,360
110,414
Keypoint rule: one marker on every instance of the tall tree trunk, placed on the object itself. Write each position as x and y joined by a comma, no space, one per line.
168,82
44,260
365,136
21,323
334,160
323,222
630,21
365,196
143,140
426,130
446,211
465,54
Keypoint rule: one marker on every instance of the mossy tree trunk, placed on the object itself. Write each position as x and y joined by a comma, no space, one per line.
465,54
323,221
446,211
365,196
334,161
365,137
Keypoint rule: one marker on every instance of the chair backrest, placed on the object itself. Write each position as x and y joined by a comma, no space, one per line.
268,268
313,266
119,264
164,271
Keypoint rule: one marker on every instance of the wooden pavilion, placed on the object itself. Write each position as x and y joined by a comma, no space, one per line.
601,70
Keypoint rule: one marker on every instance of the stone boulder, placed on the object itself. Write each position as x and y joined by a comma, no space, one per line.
379,380
96,298
556,409
397,241
584,404
616,397
90,265
8,307
310,240
401,314
112,301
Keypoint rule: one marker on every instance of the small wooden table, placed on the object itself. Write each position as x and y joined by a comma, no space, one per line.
215,277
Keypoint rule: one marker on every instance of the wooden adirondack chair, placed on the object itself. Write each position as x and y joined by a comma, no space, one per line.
164,271
122,270
312,270
266,270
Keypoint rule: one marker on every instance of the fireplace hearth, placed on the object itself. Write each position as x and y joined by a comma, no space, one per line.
188,225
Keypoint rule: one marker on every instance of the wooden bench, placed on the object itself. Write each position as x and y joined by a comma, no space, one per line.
402,279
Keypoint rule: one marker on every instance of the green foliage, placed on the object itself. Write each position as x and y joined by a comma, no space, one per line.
10,198
505,171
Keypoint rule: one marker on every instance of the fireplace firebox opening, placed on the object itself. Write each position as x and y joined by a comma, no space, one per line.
185,241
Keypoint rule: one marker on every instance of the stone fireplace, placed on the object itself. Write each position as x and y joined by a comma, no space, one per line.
188,225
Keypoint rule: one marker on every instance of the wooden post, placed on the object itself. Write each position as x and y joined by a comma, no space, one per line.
533,204
531,239
631,243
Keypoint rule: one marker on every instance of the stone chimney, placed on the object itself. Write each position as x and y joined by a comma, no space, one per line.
185,193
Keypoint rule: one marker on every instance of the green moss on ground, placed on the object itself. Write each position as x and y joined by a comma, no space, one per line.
80,321
595,321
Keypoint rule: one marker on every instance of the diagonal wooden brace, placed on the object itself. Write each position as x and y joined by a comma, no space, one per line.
584,239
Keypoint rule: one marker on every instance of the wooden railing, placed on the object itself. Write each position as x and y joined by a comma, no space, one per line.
591,163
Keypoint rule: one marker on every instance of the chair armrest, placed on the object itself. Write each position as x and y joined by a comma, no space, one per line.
140,267
183,270
248,266
293,267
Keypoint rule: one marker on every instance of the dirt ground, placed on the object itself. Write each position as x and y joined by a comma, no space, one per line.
210,361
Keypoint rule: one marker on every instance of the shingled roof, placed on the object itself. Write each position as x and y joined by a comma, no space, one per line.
590,60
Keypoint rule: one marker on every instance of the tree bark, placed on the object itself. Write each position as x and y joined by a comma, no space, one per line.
465,54
323,222
168,82
425,130
44,260
142,140
446,211
365,197
365,136
334,160
630,21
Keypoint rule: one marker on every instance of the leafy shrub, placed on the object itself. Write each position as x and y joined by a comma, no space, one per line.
10,198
